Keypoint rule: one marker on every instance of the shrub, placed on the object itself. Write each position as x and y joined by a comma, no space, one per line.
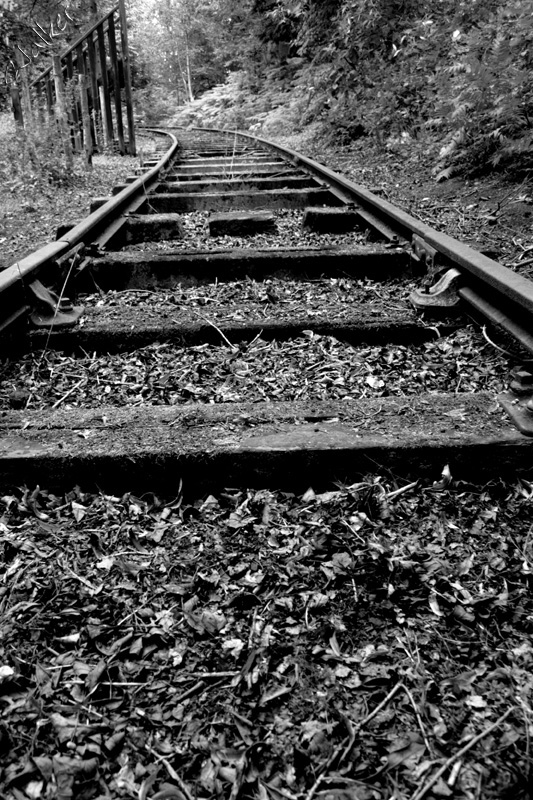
32,157
487,94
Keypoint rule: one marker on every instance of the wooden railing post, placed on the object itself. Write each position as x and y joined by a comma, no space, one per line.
106,109
86,119
73,103
49,94
115,80
132,149
95,96
36,104
17,105
25,85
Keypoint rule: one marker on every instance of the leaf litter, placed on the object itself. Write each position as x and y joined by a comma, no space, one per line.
289,233
368,642
307,367
271,298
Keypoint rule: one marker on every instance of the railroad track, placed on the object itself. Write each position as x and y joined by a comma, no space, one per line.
239,315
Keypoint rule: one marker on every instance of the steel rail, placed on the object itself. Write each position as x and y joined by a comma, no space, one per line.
509,285
26,270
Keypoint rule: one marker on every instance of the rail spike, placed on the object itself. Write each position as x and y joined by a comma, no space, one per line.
51,310
517,401
442,294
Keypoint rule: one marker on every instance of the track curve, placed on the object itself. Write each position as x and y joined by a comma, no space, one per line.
246,316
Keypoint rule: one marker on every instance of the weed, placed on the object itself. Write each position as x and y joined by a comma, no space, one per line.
32,158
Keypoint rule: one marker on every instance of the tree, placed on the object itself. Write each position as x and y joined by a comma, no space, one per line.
186,47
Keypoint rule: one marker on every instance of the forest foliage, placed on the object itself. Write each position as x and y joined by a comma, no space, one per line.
457,71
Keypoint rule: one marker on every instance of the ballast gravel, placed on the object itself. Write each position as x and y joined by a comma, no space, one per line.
310,367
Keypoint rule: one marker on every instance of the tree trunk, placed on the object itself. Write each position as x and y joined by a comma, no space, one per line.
188,67
181,74
185,74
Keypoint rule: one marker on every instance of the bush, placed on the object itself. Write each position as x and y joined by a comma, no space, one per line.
487,96
31,158
223,106
458,72
152,104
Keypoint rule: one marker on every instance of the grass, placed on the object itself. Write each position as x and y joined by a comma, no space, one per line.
40,194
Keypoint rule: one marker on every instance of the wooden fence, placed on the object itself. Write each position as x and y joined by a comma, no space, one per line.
90,85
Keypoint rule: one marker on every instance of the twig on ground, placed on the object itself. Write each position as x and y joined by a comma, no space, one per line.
346,745
198,687
419,720
221,333
386,700
347,525
70,391
523,263
228,674
420,793
342,747
401,490
136,291
175,777
456,769
252,633
351,740
172,773
254,340
497,346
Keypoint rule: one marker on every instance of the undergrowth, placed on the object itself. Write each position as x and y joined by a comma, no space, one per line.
457,74
32,158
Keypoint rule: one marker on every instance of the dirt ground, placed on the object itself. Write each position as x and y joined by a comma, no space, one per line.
366,643
492,212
